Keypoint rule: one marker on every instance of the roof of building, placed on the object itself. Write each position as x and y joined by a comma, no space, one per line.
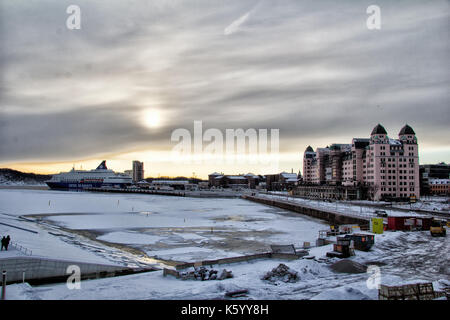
236,177
340,146
289,175
309,149
168,182
379,129
439,181
251,175
215,174
361,143
395,142
406,130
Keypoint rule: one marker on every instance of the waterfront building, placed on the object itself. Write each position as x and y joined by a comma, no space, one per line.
388,168
439,187
138,171
430,172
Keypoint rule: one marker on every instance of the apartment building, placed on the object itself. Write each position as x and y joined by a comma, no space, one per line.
388,167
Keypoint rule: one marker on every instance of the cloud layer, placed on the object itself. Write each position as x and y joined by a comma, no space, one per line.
309,68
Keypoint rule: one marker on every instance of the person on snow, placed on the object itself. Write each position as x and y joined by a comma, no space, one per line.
3,242
7,241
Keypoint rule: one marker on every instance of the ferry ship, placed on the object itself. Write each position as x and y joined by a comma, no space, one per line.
81,179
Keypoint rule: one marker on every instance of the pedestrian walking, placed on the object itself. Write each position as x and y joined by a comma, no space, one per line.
7,241
3,242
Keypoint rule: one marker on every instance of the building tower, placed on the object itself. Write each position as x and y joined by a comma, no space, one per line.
411,170
308,162
374,165
138,171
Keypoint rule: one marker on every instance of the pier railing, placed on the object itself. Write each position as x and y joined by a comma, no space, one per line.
21,248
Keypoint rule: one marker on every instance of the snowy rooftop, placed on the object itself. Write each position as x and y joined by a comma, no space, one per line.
439,181
251,175
395,142
170,182
289,175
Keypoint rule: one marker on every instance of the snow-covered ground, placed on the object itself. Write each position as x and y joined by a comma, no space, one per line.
100,227
439,204
365,209
316,279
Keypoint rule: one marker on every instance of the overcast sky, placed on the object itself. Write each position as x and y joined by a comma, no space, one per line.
311,69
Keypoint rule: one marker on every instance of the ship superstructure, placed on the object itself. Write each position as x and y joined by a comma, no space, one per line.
81,179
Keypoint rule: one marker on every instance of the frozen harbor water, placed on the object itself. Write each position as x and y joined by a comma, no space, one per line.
173,228
136,230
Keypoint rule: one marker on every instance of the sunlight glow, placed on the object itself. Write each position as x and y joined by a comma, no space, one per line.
152,118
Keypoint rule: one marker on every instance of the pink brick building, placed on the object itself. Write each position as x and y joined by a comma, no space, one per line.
388,167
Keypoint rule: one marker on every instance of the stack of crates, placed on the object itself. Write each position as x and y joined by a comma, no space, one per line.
361,241
342,245
341,248
418,291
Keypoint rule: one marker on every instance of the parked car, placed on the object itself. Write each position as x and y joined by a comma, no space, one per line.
381,213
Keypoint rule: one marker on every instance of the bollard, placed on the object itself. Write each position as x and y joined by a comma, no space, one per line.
3,284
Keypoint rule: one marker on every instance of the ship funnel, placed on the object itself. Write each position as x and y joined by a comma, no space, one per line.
102,165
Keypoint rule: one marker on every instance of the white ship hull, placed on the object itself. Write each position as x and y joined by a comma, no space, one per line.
79,179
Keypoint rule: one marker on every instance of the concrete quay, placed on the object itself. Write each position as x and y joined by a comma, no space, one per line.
332,217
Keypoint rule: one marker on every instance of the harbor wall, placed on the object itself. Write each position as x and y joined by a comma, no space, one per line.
37,270
334,218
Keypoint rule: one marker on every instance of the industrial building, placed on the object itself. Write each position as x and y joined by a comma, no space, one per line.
281,181
439,187
249,180
434,178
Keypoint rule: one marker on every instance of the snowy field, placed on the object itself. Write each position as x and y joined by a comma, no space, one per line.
132,229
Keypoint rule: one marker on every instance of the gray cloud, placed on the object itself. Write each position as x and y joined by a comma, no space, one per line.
310,68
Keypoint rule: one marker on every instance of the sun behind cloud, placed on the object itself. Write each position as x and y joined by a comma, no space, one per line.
152,118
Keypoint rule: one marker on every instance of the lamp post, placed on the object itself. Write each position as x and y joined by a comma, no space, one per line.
3,285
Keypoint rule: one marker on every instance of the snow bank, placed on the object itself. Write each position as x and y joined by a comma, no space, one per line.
342,293
348,266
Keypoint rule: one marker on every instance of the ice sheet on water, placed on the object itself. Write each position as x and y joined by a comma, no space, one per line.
129,238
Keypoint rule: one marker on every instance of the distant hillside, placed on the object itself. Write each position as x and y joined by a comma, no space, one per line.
14,177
